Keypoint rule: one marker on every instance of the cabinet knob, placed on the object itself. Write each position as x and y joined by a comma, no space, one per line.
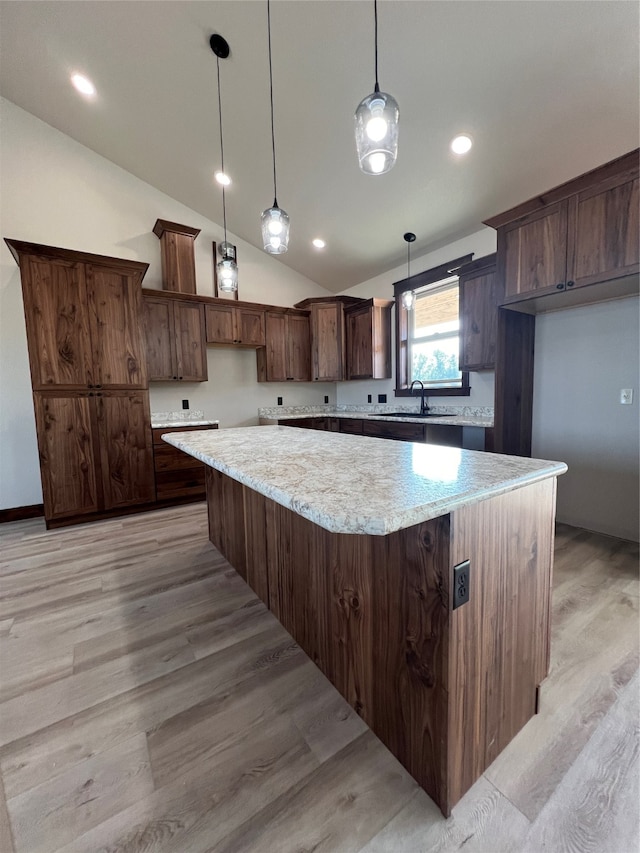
98,386
175,377
570,283
560,286
180,378
90,394
89,386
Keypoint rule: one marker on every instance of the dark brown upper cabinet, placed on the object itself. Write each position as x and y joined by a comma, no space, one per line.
481,291
328,336
177,253
286,357
575,244
175,338
235,324
368,339
84,316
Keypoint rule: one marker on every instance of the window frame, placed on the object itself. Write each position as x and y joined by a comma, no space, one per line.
415,282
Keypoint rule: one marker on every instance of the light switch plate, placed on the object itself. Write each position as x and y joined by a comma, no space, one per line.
626,396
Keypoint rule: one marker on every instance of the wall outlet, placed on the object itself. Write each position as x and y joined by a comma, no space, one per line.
368,398
279,401
461,580
626,396
382,398
185,404
326,398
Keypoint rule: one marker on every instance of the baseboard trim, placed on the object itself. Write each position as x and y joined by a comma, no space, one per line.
19,513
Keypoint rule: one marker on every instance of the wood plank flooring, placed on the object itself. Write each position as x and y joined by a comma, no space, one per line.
150,702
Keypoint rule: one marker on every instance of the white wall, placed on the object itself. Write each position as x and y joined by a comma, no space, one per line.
481,243
57,192
583,357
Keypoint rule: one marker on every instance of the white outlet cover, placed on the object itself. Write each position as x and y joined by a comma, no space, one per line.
626,396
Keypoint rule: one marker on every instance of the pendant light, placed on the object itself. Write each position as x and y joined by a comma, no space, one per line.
227,268
409,296
274,220
377,124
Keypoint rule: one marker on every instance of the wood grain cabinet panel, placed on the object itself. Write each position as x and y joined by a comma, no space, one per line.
235,325
286,356
67,446
175,339
126,455
328,341
368,340
115,309
536,253
57,319
481,292
603,232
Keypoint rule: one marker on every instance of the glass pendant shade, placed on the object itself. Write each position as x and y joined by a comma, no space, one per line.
377,120
275,230
227,276
409,299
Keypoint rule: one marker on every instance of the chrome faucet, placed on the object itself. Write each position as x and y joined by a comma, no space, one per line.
424,407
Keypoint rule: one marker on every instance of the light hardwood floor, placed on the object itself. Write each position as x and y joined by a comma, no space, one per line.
150,702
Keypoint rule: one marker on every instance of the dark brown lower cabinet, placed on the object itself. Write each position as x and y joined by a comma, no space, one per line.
179,476
95,452
445,434
444,689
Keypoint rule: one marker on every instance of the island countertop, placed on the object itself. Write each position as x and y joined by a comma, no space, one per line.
359,484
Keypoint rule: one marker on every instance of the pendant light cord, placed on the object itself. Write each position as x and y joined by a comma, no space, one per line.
375,19
224,206
408,259
273,137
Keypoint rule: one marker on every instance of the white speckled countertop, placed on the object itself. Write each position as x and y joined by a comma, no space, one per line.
186,418
356,484
466,416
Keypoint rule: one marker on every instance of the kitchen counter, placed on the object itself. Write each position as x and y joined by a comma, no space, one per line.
461,416
185,418
434,620
357,484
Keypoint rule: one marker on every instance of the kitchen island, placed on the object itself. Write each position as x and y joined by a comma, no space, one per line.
359,547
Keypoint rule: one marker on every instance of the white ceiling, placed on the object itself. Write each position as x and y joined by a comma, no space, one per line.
548,90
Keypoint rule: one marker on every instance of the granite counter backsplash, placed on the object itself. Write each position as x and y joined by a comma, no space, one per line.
373,409
188,417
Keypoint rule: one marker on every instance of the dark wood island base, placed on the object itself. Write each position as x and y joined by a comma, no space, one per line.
445,690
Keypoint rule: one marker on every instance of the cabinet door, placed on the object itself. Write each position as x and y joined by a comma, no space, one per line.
250,327
535,252
126,454
57,318
603,232
359,344
220,324
272,361
327,341
116,318
160,339
191,353
298,348
67,454
480,296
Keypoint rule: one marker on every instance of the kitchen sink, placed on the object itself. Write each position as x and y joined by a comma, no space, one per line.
412,415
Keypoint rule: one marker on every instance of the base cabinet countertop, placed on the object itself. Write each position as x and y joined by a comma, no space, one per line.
353,543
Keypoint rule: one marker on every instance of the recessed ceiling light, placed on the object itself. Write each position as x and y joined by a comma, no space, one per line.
318,243
461,144
223,179
83,84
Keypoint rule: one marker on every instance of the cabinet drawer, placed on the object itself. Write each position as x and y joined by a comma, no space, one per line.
158,432
351,425
394,430
168,458
178,484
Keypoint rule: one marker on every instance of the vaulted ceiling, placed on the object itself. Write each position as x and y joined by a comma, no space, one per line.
547,90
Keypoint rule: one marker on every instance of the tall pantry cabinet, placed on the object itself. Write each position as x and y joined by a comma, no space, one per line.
83,315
